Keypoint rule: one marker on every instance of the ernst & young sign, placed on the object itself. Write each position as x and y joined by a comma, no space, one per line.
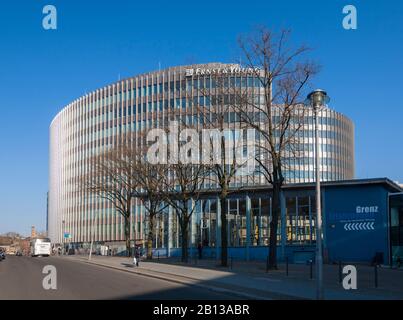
225,70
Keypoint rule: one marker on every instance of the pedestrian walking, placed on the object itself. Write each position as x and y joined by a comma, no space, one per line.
136,259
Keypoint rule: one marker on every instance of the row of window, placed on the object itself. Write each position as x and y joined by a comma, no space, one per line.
299,224
328,161
294,175
207,100
229,117
195,120
183,85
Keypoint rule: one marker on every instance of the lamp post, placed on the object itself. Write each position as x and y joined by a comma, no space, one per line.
92,237
64,231
90,254
316,100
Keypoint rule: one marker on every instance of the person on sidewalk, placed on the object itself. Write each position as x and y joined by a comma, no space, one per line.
200,250
136,258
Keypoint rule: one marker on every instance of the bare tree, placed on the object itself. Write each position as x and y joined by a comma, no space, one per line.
113,176
151,191
183,189
221,149
181,175
275,110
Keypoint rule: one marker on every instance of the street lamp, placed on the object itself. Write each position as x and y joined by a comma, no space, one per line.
317,99
92,237
64,237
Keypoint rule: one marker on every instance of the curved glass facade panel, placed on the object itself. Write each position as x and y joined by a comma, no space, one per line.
121,111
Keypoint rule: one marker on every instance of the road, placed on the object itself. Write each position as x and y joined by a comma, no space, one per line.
22,277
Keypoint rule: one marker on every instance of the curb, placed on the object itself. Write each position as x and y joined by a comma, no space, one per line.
208,287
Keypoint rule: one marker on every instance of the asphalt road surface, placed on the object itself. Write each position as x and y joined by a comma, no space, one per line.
22,277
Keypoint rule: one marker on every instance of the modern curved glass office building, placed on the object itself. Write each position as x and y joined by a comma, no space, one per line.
121,111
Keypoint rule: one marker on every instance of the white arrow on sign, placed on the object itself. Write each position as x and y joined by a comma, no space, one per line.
358,226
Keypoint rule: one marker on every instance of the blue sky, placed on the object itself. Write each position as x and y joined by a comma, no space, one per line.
41,71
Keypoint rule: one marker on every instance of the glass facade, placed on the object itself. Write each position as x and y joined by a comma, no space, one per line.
301,220
299,228
121,111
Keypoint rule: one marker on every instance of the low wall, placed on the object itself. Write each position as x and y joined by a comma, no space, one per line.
295,254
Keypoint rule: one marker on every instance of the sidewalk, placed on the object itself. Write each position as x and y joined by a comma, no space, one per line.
249,280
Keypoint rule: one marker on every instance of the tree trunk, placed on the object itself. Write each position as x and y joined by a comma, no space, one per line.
224,231
276,211
127,235
150,238
184,237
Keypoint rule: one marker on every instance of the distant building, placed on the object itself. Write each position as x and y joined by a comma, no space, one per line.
4,248
24,245
5,241
33,232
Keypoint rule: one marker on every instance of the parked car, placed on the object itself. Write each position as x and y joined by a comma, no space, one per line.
19,254
2,255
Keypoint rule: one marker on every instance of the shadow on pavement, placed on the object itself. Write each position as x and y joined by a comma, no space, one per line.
127,265
183,293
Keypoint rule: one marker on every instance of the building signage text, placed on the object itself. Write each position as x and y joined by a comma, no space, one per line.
225,70
372,209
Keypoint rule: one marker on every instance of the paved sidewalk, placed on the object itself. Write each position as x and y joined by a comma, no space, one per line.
390,281
250,281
